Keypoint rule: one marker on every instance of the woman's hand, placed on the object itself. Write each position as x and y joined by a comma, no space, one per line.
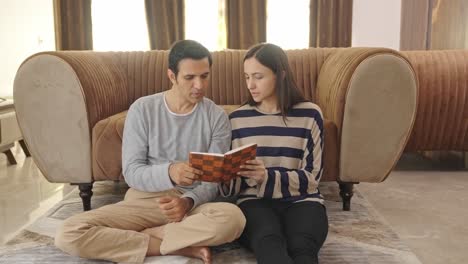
253,169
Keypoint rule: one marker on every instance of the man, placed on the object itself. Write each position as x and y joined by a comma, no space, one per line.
165,211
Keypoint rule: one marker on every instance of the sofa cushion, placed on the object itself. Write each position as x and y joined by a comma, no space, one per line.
107,147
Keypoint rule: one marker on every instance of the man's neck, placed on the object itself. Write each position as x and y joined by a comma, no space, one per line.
177,104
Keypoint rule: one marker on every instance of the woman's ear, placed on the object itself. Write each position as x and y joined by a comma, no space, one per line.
283,74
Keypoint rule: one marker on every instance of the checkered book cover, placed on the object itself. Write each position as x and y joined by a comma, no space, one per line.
222,168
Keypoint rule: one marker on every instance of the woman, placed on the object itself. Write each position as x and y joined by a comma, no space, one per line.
286,218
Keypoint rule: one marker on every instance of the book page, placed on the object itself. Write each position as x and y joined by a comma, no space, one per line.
207,153
239,148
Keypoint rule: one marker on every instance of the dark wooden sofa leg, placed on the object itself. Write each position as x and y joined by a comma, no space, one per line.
346,192
25,148
10,157
85,194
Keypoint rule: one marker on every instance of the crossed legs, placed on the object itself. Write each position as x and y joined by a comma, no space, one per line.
122,232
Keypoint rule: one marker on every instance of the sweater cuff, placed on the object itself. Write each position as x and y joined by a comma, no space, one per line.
261,187
160,174
193,196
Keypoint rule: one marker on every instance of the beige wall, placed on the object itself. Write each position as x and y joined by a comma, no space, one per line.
26,27
376,23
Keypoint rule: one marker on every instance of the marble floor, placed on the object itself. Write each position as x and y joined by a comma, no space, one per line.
422,201
425,204
24,194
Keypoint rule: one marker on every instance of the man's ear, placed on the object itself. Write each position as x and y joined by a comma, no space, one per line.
171,76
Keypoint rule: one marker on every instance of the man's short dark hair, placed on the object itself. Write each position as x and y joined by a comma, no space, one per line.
184,49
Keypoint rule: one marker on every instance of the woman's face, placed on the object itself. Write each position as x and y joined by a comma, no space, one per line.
260,81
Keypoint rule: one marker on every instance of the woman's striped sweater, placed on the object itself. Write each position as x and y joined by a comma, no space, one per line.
291,150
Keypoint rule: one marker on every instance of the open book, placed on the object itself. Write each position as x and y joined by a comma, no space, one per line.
222,167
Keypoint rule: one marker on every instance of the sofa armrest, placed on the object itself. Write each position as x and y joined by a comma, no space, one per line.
59,96
371,96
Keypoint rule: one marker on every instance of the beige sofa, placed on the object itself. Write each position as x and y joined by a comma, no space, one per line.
71,107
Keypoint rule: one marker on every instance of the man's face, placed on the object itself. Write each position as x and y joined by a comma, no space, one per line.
192,79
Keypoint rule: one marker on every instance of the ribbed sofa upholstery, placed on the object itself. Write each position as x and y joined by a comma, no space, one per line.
71,107
442,116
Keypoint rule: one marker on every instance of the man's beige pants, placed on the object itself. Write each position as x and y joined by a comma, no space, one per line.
112,232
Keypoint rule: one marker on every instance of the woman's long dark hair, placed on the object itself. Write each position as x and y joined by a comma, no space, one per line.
274,58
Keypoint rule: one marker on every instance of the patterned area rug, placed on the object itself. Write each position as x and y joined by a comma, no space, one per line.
360,236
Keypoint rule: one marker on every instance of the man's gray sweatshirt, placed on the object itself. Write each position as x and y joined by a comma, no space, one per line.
155,137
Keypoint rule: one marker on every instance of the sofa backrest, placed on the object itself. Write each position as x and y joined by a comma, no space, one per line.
442,119
147,73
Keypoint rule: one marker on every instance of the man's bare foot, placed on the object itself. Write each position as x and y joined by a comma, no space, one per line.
157,232
203,253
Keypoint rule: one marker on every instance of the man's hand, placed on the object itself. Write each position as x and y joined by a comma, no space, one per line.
182,174
175,208
253,169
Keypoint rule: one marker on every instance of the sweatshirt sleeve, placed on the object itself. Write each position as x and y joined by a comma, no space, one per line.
137,172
